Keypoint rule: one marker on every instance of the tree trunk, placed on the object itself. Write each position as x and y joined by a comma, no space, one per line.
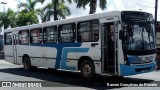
55,9
93,6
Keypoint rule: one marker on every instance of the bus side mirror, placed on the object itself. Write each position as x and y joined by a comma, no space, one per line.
121,34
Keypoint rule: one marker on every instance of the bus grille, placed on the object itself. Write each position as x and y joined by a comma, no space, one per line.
141,60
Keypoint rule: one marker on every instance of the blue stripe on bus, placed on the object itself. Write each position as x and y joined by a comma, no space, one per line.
59,47
132,59
131,70
65,54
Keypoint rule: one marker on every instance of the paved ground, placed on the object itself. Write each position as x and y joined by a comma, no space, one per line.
72,80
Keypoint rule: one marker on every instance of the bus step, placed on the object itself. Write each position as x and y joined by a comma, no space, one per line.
111,66
109,74
110,59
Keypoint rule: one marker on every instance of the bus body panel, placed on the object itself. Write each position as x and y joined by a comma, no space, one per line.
50,57
8,53
120,53
61,55
93,52
35,53
138,68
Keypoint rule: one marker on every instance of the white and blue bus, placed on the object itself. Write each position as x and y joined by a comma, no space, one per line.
112,43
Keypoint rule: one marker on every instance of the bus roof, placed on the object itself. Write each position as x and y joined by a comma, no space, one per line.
71,20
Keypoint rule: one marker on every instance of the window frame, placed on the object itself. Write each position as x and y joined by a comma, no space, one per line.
24,37
6,39
73,26
44,29
41,31
78,27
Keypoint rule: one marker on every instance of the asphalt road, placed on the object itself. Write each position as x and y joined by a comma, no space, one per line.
72,80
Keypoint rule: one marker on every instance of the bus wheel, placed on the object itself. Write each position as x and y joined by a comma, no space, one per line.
27,64
87,70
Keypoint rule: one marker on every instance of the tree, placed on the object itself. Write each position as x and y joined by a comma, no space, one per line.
30,5
92,4
57,9
43,15
28,14
26,18
8,19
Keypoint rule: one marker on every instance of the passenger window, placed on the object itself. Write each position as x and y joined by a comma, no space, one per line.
24,37
67,33
8,38
88,31
36,36
50,35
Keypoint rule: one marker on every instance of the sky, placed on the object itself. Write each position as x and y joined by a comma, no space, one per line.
144,5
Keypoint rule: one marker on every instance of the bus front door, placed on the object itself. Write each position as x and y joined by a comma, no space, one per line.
15,51
109,45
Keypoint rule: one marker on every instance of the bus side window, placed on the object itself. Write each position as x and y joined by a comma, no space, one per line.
88,31
67,33
24,37
8,38
50,34
36,36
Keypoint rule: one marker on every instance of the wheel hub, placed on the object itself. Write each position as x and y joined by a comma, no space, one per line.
87,70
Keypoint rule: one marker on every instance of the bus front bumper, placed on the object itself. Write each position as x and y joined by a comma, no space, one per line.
137,69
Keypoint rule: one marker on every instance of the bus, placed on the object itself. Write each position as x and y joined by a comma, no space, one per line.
117,43
1,43
158,44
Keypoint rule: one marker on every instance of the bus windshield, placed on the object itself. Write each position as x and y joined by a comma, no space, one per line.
138,31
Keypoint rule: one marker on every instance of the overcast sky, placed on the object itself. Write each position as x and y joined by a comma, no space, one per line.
145,5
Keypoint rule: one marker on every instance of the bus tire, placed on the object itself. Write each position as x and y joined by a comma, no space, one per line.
27,63
87,70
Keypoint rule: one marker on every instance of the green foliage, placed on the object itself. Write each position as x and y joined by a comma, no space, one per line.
26,18
92,4
28,14
56,9
63,11
7,19
43,15
30,5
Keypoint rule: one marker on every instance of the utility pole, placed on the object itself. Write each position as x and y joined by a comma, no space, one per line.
3,5
156,7
4,12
